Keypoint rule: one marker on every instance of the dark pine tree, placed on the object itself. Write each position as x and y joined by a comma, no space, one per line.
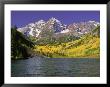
19,44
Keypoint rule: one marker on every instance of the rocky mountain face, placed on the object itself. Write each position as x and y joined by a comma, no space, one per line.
54,28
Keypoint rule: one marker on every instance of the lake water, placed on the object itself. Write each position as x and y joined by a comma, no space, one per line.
55,67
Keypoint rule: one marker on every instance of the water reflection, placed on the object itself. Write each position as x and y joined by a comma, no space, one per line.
56,67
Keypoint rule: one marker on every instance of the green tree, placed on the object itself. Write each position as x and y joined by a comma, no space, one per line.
19,44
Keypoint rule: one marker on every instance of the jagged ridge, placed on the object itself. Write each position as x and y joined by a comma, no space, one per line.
54,27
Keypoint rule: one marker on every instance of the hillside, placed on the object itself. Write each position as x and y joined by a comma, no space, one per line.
87,46
20,45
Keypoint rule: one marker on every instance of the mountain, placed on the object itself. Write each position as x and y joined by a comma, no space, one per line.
34,29
54,30
87,46
54,39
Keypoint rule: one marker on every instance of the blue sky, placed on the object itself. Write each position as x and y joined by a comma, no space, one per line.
22,18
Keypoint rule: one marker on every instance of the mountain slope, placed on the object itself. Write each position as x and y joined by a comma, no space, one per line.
87,46
19,45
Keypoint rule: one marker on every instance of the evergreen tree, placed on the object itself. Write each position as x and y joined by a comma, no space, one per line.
19,44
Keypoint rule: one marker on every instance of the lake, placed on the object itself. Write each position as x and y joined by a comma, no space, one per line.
56,67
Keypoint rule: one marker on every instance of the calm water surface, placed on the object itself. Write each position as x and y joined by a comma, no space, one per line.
53,67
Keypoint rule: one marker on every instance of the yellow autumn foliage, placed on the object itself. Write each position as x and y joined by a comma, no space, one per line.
85,47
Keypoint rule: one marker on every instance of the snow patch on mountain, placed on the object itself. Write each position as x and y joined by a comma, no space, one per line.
38,32
31,32
65,31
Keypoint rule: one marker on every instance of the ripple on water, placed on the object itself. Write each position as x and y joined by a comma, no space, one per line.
39,67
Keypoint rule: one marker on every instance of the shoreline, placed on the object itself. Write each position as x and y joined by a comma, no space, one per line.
57,57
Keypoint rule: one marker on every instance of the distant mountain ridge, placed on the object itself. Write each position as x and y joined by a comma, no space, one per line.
54,28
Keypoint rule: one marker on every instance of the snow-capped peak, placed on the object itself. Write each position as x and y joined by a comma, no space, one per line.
36,29
31,25
94,23
54,20
40,22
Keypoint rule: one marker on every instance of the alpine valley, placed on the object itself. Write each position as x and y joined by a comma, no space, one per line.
53,39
